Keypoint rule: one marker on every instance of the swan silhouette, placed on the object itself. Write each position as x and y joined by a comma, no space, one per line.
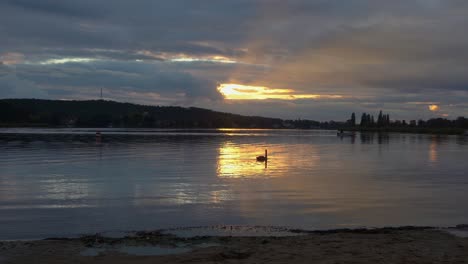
263,158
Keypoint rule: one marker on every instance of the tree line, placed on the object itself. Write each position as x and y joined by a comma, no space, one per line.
368,120
100,113
383,121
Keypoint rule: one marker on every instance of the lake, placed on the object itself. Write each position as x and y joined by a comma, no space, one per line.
64,182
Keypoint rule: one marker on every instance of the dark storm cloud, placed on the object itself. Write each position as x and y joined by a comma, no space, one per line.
12,87
376,53
57,7
159,26
128,76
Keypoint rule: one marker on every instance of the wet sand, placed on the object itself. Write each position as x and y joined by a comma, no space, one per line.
386,245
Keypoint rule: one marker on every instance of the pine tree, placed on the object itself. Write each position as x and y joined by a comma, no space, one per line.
353,119
380,119
363,119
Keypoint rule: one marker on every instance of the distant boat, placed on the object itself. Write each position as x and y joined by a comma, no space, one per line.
342,133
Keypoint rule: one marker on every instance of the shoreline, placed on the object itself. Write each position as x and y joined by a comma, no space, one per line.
367,130
238,231
410,130
405,244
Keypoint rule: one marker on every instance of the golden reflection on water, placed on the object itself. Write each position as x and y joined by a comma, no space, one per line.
239,160
220,196
433,155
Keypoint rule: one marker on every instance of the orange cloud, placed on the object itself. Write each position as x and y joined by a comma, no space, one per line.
433,107
11,58
233,91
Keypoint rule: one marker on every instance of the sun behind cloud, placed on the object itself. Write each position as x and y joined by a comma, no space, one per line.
233,91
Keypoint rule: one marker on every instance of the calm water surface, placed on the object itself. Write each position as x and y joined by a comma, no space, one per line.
63,182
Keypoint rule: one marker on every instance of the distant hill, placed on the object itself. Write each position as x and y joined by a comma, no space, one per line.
100,113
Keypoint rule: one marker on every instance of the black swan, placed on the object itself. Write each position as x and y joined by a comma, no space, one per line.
263,158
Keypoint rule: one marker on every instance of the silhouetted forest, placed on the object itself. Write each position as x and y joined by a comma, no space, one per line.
100,113
383,123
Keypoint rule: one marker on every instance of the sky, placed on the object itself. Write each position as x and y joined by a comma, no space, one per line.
308,59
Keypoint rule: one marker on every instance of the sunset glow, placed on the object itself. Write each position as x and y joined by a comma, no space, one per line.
433,107
67,60
232,91
215,59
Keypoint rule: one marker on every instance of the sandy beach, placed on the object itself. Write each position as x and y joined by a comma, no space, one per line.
386,245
